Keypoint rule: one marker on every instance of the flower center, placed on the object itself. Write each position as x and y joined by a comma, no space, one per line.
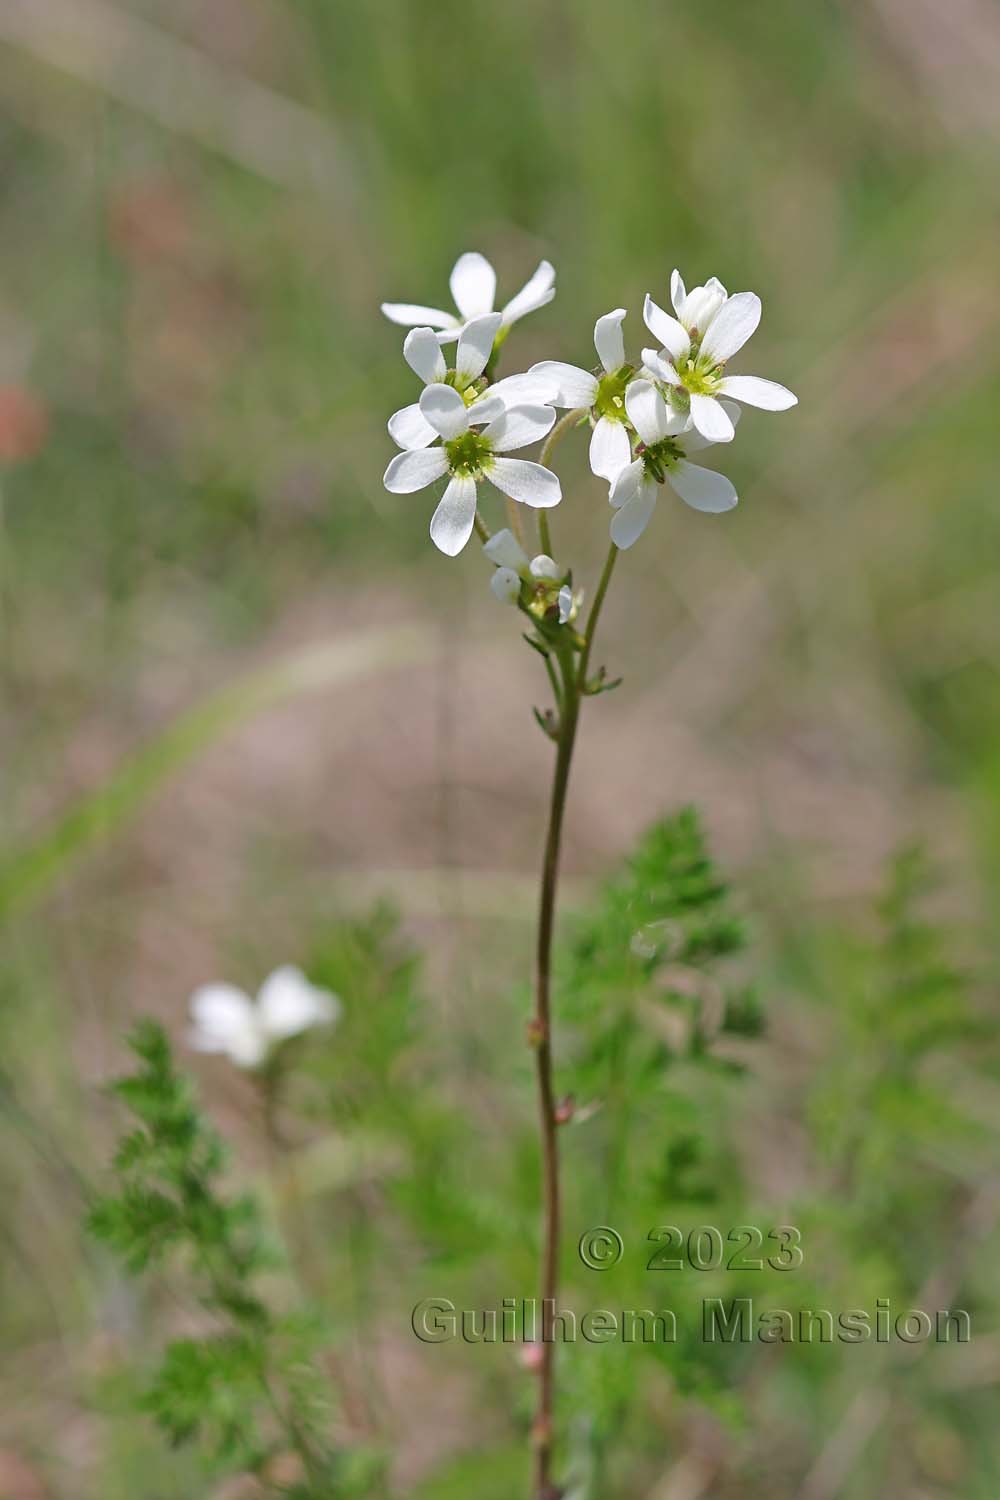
700,377
610,398
659,458
469,455
469,388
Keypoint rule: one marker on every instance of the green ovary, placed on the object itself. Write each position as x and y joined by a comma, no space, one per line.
610,398
659,458
699,377
469,455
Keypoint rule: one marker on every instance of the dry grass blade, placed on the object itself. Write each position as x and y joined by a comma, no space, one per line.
180,88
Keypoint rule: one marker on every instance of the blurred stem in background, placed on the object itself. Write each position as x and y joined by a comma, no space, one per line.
558,432
568,697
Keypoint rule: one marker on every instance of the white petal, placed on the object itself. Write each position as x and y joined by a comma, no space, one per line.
452,522
473,284
573,387
221,1013
660,368
565,603
527,482
445,410
701,305
628,523
693,441
711,419
506,585
485,409
518,426
250,1049
534,386
287,1003
647,411
609,341
415,315
409,428
610,449
702,489
731,327
535,293
767,394
671,334
544,566
627,484
505,550
415,470
677,291
422,353
475,345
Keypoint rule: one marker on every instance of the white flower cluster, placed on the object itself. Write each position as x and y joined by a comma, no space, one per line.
645,417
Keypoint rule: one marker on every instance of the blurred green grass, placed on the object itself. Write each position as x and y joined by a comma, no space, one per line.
207,341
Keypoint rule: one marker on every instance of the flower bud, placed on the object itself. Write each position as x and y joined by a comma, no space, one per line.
506,585
544,567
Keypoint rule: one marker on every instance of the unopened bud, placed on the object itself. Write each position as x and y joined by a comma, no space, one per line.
565,1110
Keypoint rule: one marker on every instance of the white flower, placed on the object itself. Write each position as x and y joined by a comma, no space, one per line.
227,1020
710,327
409,428
473,285
468,455
665,441
603,395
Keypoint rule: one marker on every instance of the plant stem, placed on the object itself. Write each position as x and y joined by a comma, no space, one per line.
544,535
595,614
568,706
542,1037
514,520
558,432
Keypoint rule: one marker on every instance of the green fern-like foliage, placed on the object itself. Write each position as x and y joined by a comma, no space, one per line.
656,1023
887,1115
247,1390
642,969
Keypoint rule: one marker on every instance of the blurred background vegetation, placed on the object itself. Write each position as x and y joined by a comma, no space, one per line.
243,699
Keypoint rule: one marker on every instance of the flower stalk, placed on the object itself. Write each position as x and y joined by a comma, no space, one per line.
541,1035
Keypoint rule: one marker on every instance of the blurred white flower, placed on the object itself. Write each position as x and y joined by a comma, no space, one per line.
226,1019
603,395
422,351
666,440
473,286
710,327
468,455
